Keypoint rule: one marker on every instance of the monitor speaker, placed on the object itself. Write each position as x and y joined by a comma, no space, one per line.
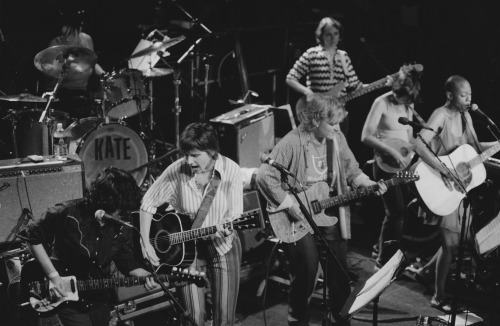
246,133
28,189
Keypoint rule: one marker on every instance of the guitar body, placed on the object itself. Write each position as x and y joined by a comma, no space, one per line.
437,196
32,272
387,163
289,232
181,254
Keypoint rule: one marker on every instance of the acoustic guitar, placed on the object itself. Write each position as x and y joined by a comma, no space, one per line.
441,196
317,199
387,162
173,239
337,89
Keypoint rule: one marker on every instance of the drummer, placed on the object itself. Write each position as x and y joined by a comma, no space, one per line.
74,93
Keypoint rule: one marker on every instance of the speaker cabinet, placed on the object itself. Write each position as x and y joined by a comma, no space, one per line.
33,187
246,133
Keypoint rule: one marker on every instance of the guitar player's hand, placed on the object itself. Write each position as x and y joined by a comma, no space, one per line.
56,287
149,251
398,158
309,95
294,214
222,231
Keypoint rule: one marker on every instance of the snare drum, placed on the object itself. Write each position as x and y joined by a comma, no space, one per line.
126,93
112,145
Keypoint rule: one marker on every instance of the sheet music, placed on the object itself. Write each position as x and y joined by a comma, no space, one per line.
488,238
377,283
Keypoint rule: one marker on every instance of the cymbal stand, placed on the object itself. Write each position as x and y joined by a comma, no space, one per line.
177,108
46,112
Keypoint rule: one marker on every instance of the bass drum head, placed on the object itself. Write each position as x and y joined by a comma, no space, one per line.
113,145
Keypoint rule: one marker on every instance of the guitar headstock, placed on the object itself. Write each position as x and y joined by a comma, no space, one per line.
407,68
248,220
406,177
191,276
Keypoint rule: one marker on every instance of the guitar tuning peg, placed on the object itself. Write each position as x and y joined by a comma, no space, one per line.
185,271
174,269
202,274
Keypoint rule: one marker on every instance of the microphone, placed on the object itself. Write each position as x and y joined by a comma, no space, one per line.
416,125
267,160
101,215
474,108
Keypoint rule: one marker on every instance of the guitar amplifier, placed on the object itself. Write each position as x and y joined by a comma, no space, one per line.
27,189
245,133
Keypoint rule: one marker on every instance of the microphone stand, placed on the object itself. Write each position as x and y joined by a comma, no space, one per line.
46,112
326,252
460,255
167,292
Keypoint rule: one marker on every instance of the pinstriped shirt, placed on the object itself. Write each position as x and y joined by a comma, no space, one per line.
176,186
314,65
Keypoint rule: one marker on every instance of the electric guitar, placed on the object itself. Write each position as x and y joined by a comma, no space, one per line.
387,163
36,289
172,237
317,199
337,89
441,196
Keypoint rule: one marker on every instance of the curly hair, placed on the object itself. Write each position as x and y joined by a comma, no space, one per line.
114,189
408,85
327,22
320,108
199,136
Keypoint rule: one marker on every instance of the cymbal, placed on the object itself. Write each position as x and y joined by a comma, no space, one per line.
158,46
79,61
23,97
157,72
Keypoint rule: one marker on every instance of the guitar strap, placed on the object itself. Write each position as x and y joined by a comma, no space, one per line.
334,162
202,212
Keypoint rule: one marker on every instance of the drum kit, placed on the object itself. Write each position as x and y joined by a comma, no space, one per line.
101,139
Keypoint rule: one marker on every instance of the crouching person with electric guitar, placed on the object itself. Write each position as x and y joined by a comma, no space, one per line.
316,152
74,247
207,188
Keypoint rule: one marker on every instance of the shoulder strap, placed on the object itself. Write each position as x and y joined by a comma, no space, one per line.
207,200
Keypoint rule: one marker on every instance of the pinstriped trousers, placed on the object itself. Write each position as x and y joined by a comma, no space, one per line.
223,273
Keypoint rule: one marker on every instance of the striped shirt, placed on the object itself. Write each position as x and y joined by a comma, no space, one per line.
314,65
176,186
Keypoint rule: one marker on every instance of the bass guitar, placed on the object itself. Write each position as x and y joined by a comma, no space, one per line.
337,89
288,231
36,288
387,163
172,237
441,196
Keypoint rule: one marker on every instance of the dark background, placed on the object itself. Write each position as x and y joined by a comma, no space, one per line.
447,37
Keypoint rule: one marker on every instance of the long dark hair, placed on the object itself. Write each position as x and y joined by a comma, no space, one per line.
114,189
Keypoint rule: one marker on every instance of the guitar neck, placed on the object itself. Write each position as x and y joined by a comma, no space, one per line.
484,155
352,195
362,91
111,283
189,235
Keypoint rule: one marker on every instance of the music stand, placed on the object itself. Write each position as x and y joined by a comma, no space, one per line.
371,289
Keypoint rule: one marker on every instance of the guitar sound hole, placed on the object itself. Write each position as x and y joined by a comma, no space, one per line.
464,174
162,241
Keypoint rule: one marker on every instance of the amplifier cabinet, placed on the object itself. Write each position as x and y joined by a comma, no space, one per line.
33,187
246,133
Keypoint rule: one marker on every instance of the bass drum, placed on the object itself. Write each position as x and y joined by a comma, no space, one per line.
112,145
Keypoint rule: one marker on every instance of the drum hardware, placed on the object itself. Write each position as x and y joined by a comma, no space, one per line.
62,62
157,46
23,97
